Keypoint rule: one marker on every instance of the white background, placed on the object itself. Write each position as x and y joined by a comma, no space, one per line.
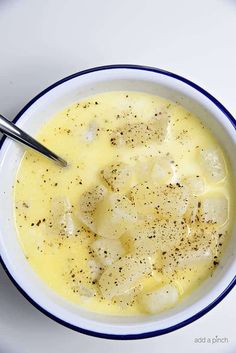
42,41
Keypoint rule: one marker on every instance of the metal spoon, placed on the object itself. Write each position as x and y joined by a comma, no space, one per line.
12,131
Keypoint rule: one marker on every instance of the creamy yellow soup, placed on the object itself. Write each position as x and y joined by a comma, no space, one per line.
140,216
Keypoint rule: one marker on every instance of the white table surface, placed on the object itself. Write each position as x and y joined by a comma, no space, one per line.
42,41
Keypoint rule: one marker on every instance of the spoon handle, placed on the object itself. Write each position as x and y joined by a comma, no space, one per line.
15,133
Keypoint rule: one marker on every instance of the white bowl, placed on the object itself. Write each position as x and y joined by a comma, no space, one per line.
39,110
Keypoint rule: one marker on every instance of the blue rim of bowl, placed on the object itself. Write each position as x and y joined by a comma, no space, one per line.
146,334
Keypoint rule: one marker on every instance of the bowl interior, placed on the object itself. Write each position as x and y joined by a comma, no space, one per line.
11,153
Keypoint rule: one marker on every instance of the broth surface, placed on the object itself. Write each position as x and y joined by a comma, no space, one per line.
97,133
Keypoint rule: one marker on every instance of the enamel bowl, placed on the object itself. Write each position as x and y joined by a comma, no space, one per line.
31,118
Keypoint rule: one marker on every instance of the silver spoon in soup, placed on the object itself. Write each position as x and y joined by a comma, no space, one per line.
14,132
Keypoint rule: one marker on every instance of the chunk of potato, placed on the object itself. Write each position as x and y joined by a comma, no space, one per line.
84,291
199,248
166,200
129,298
205,236
144,197
95,269
114,216
135,134
149,237
213,164
91,132
214,209
187,279
108,250
160,299
88,203
123,275
143,168
195,183
162,171
118,176
159,169
61,219
192,210
175,260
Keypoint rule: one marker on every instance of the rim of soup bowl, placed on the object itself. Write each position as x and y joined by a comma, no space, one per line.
153,333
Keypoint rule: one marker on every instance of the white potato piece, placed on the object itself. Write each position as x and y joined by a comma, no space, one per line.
85,291
160,299
175,260
213,164
205,236
88,203
192,211
135,134
128,299
165,200
91,132
162,170
118,176
214,209
159,169
149,237
95,269
123,275
189,278
144,197
108,250
143,168
195,183
61,219
114,216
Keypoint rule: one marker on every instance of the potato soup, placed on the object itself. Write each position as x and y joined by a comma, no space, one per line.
140,216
